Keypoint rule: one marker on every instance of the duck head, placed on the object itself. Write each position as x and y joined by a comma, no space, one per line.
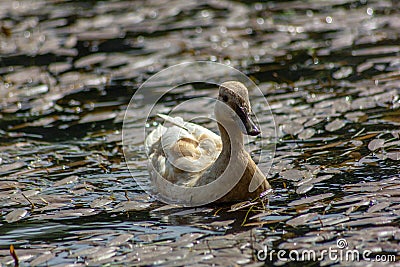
233,108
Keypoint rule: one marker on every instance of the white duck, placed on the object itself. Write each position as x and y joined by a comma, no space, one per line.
191,155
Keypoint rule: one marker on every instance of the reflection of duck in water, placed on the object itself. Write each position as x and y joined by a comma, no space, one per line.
191,155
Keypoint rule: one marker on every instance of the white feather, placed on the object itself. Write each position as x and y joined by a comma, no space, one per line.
201,147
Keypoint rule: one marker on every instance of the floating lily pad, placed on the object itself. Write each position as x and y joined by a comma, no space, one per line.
335,125
16,215
376,144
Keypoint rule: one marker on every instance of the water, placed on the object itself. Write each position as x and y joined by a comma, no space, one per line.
328,69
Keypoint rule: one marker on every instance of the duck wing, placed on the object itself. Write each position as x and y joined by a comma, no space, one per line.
182,152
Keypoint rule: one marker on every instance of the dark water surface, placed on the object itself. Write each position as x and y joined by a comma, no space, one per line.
329,69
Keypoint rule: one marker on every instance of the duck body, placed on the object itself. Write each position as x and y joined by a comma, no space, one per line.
190,155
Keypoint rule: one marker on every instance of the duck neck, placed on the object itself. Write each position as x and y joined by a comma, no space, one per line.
232,141
232,149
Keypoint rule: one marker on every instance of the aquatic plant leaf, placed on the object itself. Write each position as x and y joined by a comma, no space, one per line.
302,219
43,258
131,206
306,134
101,254
335,125
12,166
100,202
367,221
67,180
304,188
99,116
90,60
292,128
292,175
15,215
119,240
309,200
379,206
342,73
376,144
394,155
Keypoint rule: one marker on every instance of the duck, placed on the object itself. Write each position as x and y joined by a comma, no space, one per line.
190,155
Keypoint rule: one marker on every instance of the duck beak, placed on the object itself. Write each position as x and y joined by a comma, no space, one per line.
250,126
